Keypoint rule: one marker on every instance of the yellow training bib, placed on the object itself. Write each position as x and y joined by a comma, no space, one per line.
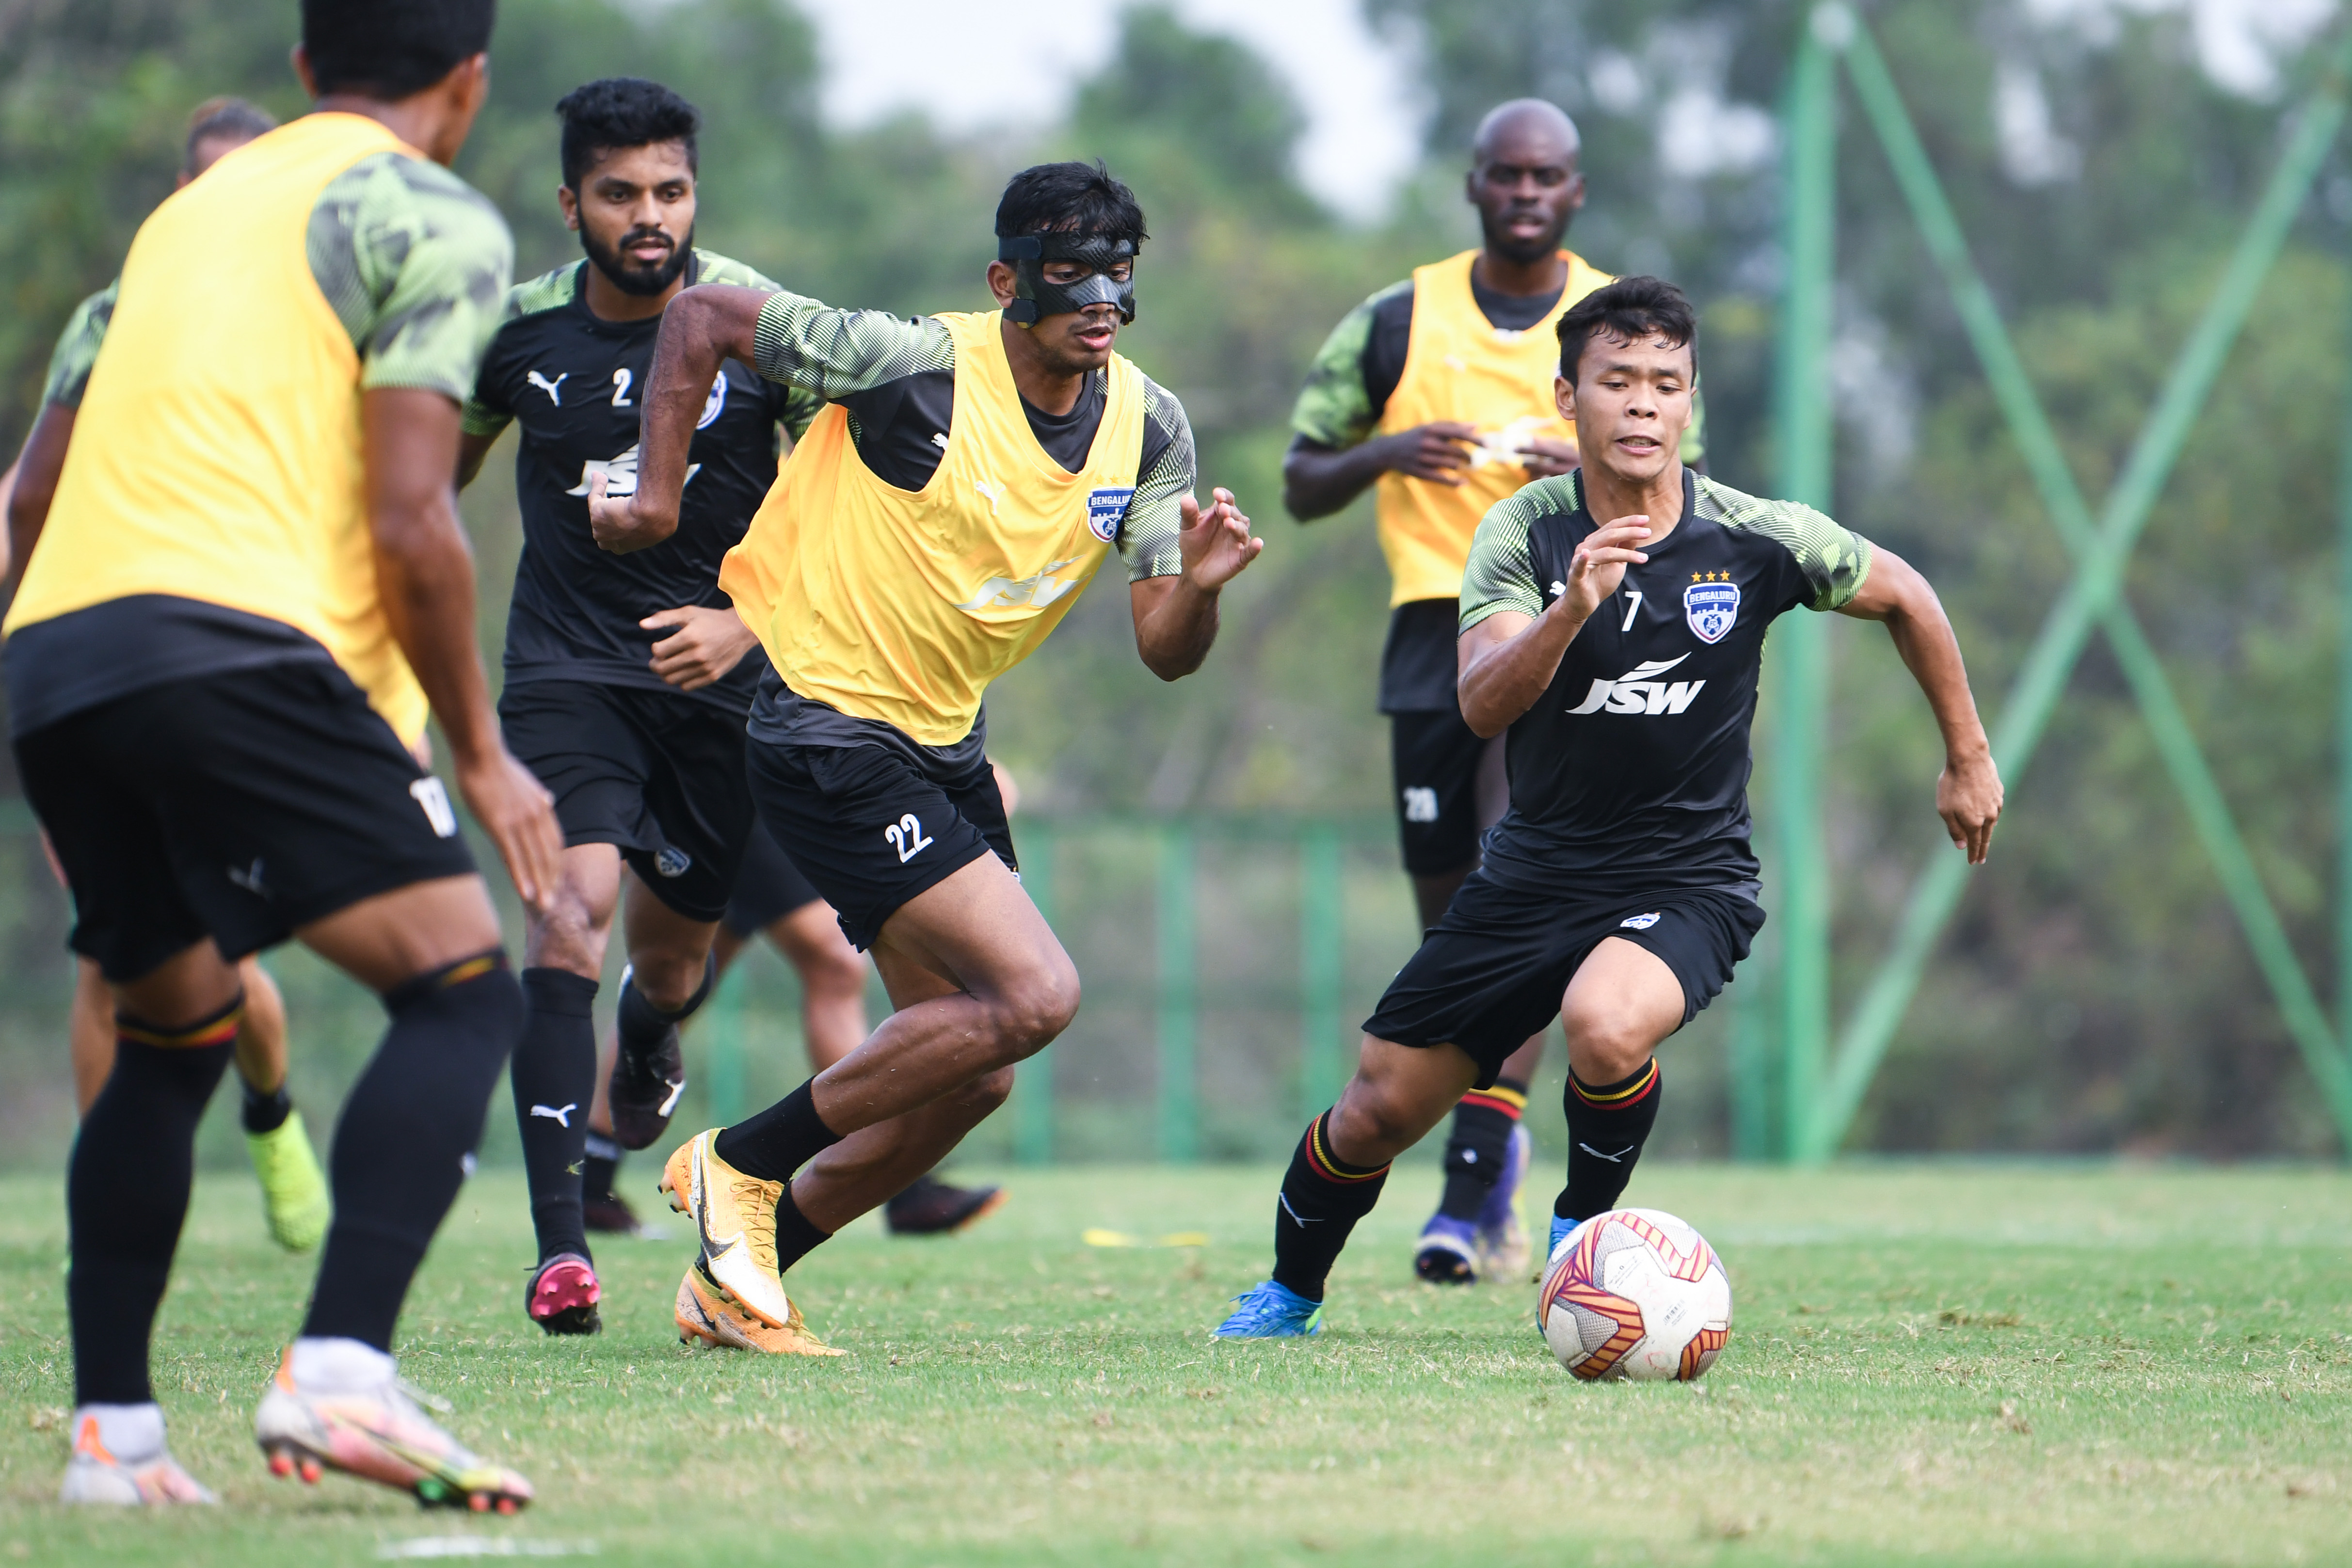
902,606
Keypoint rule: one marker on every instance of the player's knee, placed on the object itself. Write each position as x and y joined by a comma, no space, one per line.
1372,1124
836,969
1033,1008
1605,1044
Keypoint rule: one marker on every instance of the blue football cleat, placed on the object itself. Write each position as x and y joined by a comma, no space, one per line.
1447,1253
1271,1312
1561,1229
1502,1240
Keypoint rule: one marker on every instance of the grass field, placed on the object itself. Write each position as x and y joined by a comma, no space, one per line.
1945,1364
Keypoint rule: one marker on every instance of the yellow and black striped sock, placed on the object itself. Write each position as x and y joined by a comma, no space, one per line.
1607,1125
1480,1146
1322,1198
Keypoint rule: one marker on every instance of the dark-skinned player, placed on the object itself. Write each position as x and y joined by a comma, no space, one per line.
1613,623
627,676
974,472
1437,390
293,1187
250,583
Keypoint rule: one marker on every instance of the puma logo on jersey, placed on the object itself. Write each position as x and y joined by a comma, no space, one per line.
1012,594
1636,692
993,490
554,389
620,475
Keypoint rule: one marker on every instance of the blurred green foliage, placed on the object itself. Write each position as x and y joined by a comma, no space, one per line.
2095,994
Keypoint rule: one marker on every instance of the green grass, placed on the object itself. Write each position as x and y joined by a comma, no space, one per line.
1937,1364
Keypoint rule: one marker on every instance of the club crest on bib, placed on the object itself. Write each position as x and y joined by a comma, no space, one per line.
1711,608
714,404
1106,509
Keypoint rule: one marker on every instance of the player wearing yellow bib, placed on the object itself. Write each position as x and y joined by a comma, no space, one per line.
248,588
1437,390
937,522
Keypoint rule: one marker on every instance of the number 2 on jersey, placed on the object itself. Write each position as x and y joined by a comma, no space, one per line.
621,379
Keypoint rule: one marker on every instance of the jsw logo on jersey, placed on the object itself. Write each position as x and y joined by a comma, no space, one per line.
1011,593
1636,692
620,475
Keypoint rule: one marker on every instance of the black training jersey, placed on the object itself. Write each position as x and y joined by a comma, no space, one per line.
572,381
1630,772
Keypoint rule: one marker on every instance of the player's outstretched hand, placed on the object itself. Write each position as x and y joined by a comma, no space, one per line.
1216,544
1432,451
1546,458
1968,797
515,809
707,643
1599,565
620,523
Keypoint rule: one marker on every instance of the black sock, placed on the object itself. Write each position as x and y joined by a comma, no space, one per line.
1607,1125
554,1078
776,1143
641,1025
795,1237
127,1192
1481,1142
405,1143
1322,1198
265,1112
602,1165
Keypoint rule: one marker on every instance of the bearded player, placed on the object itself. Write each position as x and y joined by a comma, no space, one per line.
936,523
1437,390
1613,623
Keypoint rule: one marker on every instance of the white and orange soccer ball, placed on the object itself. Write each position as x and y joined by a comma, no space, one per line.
1635,1293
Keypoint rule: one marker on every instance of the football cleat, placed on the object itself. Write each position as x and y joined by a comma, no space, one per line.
1503,1250
293,1187
706,1316
563,1295
1448,1252
381,1434
95,1475
932,1207
608,1213
735,1223
1271,1312
1561,1230
644,1087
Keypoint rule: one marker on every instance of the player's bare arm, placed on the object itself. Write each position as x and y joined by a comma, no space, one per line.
704,328
1176,616
471,450
704,644
37,470
425,573
1507,660
1969,791
1318,481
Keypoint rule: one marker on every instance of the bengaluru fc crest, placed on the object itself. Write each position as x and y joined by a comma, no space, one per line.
1711,607
1106,509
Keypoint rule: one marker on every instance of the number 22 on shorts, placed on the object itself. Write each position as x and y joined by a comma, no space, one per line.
906,837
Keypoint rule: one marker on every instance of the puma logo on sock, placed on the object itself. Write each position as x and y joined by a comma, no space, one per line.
561,1118
1616,1159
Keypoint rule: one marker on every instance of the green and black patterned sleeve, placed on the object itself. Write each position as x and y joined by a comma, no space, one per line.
1834,561
77,348
1334,410
1501,572
832,353
800,406
1155,516
415,263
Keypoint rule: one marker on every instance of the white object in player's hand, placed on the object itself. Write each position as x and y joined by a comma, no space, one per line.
1638,1294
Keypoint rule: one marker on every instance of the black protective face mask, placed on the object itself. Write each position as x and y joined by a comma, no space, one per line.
1034,299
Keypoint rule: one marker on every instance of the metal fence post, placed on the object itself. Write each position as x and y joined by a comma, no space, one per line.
1802,418
1321,964
1033,1082
1180,1103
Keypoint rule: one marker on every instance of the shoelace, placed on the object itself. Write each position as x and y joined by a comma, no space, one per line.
1263,1308
757,1207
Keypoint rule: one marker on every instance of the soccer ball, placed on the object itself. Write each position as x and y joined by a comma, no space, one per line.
1635,1293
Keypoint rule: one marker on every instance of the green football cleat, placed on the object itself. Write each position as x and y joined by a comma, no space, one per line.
293,1187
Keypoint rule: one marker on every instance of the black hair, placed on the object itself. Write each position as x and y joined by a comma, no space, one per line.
391,49
224,119
1630,309
1070,198
621,112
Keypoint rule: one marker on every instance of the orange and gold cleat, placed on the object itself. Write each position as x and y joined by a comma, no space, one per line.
706,1316
735,1222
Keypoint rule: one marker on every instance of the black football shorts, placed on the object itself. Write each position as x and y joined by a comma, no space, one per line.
767,886
658,774
1492,971
870,829
240,805
1435,758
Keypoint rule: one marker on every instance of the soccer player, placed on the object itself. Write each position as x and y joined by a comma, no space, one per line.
1613,623
1437,390
250,585
293,1188
627,676
934,524
771,897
